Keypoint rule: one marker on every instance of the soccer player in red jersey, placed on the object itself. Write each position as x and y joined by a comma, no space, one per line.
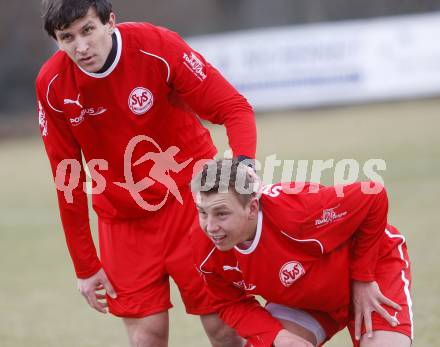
127,98
323,257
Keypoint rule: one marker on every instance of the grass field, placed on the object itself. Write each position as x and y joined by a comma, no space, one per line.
39,304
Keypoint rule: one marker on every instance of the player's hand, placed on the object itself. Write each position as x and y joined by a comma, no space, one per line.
286,339
91,288
368,298
257,183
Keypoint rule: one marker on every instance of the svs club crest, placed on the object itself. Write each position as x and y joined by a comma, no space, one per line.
291,272
140,100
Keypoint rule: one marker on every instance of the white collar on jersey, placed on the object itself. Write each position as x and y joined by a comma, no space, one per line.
256,239
115,62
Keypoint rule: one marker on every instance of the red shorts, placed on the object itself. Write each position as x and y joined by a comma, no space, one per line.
393,275
139,255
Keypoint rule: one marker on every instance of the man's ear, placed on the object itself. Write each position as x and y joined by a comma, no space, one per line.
112,22
254,205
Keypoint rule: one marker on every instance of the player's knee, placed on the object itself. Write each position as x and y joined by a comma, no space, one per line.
220,334
143,338
150,331
228,339
142,334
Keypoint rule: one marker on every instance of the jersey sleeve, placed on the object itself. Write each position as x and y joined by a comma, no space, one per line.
60,145
334,215
243,312
208,93
236,308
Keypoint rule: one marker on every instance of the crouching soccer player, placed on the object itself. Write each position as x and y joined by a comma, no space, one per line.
321,259
135,88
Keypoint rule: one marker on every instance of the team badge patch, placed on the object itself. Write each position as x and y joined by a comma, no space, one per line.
291,272
140,100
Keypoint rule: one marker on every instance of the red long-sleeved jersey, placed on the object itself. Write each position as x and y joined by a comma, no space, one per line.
155,87
306,249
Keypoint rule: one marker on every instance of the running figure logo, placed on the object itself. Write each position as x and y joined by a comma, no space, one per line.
163,163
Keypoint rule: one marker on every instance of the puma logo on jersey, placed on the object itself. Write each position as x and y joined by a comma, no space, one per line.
290,272
243,285
75,102
231,268
395,318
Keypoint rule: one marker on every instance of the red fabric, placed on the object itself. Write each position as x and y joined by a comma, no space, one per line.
351,213
139,276
101,124
310,246
393,275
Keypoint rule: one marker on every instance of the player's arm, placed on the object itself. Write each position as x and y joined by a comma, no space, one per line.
208,93
333,215
60,145
243,312
330,216
365,222
239,310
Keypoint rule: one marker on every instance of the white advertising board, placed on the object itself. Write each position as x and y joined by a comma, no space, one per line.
330,63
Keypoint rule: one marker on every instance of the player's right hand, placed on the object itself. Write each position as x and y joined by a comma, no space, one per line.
287,339
90,288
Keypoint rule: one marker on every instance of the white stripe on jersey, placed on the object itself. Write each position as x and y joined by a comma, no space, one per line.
404,279
47,94
206,259
162,59
256,239
305,240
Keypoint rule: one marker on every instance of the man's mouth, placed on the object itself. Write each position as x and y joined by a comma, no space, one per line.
217,238
86,60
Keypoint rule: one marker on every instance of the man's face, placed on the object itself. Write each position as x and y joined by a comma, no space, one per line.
225,220
87,41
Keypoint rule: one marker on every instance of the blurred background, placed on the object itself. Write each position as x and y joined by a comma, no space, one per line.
329,80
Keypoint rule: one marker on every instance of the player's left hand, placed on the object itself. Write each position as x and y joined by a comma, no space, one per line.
368,298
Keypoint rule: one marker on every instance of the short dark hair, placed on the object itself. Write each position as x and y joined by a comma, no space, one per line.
223,175
59,14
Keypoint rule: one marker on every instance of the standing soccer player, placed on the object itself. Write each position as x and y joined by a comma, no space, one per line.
126,97
323,259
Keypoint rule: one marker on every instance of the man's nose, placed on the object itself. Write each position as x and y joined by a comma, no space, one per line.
212,226
82,45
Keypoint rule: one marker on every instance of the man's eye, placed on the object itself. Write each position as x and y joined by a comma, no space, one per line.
88,30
